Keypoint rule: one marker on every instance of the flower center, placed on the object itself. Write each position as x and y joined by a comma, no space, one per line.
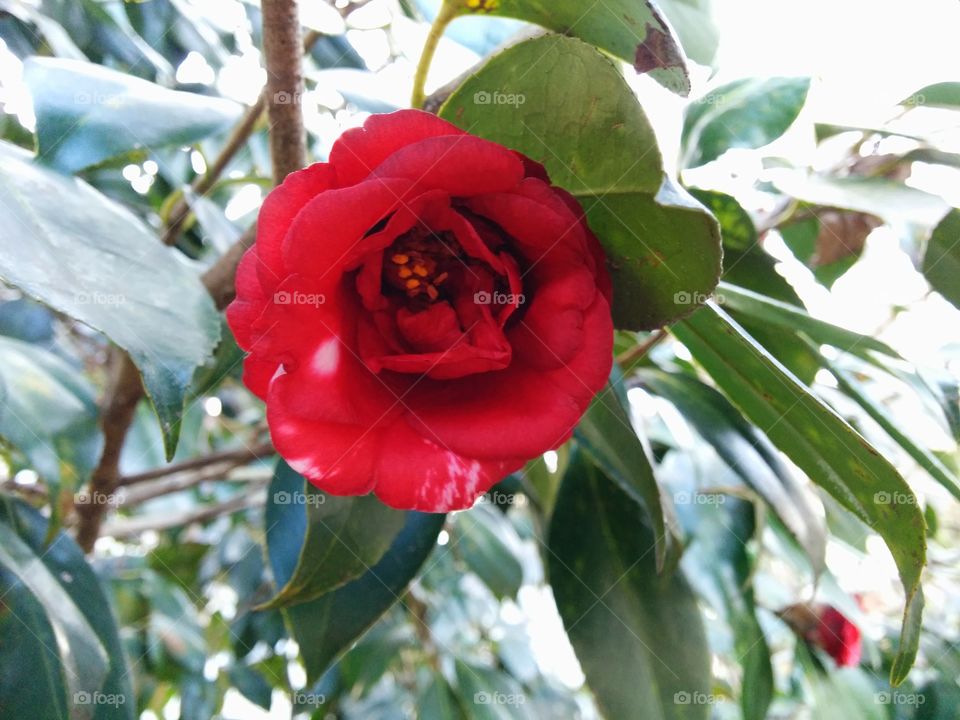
418,263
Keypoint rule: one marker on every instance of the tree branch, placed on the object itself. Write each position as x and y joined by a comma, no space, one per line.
227,457
282,50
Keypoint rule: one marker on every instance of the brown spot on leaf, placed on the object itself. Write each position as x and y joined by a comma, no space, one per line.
658,50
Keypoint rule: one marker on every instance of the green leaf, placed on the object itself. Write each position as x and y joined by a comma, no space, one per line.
490,547
84,255
660,243
318,542
923,457
70,662
48,411
719,565
606,433
437,700
748,453
940,95
841,693
639,636
820,443
633,31
489,694
748,113
87,113
941,261
774,312
694,22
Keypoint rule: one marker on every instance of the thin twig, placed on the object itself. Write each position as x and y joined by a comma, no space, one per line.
237,456
628,357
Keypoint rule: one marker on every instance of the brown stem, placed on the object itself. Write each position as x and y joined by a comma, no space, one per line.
116,415
225,457
282,50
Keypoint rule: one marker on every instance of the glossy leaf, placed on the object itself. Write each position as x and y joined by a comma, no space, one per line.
635,32
749,454
941,261
87,113
639,636
318,542
490,547
55,594
607,434
820,443
748,113
663,247
93,260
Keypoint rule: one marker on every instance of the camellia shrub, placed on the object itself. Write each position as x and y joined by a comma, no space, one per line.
455,359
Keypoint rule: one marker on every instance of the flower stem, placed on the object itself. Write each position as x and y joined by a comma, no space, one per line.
449,10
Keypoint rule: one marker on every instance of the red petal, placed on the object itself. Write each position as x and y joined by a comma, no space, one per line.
358,152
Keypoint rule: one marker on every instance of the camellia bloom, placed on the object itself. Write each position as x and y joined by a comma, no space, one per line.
827,628
423,314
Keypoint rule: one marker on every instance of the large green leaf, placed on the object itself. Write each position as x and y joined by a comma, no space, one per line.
821,444
581,120
748,113
941,261
941,95
638,635
48,412
87,113
82,254
318,542
61,653
694,22
607,434
632,30
490,547
326,627
748,453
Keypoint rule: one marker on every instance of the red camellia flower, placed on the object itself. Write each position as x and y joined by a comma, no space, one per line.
839,637
423,314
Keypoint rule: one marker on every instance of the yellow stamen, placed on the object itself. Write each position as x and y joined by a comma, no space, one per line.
400,259
432,292
420,270
440,278
404,272
412,284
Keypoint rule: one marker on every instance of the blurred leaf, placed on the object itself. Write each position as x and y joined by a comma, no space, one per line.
489,545
325,627
607,434
941,95
93,260
437,700
821,444
881,197
318,542
632,31
87,113
638,635
663,248
694,23
24,319
941,261
721,568
747,113
758,307
842,693
49,413
489,694
252,685
748,453
79,670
